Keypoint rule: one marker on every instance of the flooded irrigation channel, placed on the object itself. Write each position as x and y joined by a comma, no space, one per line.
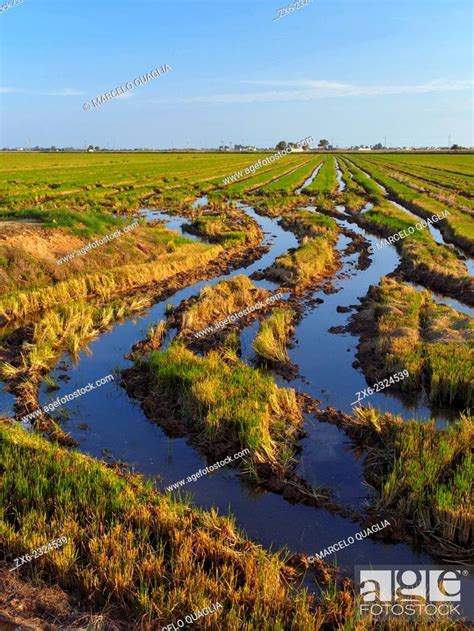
117,426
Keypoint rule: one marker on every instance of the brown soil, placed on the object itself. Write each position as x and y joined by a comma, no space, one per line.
39,607
358,244
37,241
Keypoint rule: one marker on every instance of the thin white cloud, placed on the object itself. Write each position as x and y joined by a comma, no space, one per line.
298,83
333,88
62,92
310,90
59,92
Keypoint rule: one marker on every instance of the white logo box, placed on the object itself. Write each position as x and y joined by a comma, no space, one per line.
410,590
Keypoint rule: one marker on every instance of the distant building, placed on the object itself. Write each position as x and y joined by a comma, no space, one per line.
364,149
244,148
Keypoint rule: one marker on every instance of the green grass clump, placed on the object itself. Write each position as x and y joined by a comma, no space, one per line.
228,402
326,180
215,228
215,302
450,368
150,557
434,342
312,224
424,473
307,264
272,339
85,224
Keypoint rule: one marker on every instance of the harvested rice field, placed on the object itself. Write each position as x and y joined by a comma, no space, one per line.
253,317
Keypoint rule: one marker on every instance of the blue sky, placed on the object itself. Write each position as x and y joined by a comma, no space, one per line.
352,71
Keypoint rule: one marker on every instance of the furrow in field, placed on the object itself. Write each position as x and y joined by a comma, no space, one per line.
228,486
293,180
442,177
431,264
436,191
289,180
457,227
363,179
263,176
340,179
326,180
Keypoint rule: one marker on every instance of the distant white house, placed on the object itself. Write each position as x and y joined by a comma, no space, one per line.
364,149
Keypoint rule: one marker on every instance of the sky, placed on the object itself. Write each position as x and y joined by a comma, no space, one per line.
352,71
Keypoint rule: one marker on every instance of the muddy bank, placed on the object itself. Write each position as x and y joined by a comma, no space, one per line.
358,244
364,326
460,288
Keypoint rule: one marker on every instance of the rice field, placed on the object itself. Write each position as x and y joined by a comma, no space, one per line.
352,310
